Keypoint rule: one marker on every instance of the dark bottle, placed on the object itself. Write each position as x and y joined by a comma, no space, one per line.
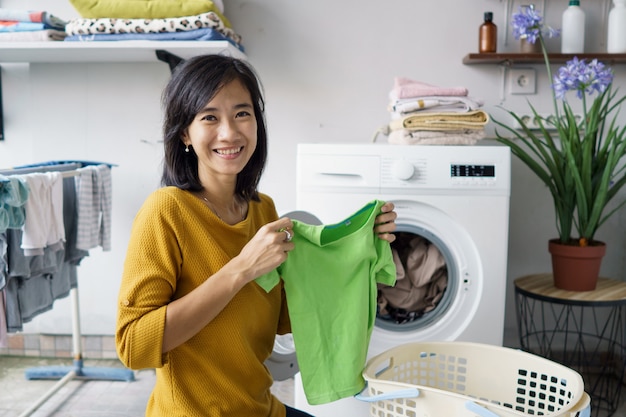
488,35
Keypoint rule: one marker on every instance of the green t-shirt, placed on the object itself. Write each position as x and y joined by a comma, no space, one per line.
330,282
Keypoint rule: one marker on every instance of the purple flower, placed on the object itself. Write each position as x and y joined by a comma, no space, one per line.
577,75
528,24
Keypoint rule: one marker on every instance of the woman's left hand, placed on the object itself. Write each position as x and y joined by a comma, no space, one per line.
385,222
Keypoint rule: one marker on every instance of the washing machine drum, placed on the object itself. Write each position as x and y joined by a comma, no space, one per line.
421,283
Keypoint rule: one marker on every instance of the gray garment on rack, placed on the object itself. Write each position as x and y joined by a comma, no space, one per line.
70,219
3,261
37,281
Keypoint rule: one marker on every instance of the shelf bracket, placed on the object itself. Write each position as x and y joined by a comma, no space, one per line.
169,58
1,109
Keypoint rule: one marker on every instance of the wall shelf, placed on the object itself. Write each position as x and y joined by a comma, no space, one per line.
537,58
109,52
115,51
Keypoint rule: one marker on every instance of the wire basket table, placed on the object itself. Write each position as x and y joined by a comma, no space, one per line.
583,330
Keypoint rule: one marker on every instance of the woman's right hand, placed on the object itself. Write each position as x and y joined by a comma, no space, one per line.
264,252
267,249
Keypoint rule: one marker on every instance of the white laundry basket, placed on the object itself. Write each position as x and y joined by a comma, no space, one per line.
458,379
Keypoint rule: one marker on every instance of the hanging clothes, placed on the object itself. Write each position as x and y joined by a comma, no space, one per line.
13,195
94,207
40,259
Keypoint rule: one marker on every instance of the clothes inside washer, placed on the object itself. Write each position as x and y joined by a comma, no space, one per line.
421,281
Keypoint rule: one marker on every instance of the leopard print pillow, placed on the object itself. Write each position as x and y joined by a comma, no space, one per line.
178,24
145,9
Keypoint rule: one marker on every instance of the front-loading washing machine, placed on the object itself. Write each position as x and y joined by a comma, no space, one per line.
451,200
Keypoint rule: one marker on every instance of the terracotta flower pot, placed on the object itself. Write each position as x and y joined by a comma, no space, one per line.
576,268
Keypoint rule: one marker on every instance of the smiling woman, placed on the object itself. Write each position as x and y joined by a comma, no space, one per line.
188,305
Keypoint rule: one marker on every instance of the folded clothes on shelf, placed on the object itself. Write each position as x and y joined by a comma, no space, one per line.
165,25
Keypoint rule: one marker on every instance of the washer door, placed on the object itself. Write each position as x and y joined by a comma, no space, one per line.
459,302
282,363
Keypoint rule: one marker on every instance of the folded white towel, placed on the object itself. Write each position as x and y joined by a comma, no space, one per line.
33,36
426,104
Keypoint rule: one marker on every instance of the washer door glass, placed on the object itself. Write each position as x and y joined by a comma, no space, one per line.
425,285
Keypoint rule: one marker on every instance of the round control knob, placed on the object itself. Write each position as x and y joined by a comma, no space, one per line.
402,169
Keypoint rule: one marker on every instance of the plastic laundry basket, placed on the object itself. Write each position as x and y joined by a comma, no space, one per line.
457,379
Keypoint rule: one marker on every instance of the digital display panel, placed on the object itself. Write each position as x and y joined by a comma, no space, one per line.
473,171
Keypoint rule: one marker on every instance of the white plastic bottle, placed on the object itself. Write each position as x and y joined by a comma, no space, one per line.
573,29
616,39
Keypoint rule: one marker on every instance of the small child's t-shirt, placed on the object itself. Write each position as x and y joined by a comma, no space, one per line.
330,280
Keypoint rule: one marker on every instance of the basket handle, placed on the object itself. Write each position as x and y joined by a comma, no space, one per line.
586,412
480,410
403,393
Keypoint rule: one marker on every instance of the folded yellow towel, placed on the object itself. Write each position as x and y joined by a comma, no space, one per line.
476,119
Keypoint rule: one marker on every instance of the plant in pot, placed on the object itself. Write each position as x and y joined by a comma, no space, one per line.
582,162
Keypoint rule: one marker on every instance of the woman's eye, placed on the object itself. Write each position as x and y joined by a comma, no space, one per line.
209,117
243,113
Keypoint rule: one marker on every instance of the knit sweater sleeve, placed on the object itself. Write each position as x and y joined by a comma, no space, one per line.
152,264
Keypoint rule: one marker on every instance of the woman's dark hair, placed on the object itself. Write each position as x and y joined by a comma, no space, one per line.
193,84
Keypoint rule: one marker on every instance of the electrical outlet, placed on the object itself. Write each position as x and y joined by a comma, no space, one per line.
531,122
522,80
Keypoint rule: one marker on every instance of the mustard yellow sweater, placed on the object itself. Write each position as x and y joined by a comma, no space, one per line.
176,243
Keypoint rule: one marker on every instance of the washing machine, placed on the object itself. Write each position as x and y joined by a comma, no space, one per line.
453,200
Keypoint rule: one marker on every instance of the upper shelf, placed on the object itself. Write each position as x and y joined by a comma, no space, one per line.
114,51
522,58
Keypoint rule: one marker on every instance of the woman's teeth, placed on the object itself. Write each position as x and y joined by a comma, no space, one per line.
228,151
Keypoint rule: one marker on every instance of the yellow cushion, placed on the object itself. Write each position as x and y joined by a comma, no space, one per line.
145,9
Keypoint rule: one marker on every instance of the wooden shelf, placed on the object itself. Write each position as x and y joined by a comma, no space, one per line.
522,58
117,51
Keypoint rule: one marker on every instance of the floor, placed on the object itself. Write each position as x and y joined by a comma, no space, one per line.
79,398
97,398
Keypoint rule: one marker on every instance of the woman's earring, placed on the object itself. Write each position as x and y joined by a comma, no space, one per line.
187,148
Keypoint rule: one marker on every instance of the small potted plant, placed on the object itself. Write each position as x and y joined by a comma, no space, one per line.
580,161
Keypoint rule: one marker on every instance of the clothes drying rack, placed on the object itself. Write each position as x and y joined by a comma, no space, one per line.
65,374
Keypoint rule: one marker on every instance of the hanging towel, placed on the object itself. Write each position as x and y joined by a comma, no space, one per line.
43,226
405,88
13,196
94,207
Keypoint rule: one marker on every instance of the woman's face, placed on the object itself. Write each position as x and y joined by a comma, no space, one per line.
224,133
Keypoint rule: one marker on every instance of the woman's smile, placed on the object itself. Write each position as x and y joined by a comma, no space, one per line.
229,152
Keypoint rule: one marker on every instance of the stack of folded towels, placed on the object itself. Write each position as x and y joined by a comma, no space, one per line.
182,20
30,26
423,114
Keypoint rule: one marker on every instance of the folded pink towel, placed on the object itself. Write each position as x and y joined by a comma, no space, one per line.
404,88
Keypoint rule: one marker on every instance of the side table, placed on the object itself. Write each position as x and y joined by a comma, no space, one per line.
582,330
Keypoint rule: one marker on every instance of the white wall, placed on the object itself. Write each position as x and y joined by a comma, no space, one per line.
327,68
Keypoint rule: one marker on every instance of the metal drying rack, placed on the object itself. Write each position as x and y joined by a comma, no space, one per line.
65,374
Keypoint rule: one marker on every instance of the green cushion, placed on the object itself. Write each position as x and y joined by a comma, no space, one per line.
145,9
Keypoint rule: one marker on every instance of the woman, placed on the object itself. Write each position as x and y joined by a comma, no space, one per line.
187,303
